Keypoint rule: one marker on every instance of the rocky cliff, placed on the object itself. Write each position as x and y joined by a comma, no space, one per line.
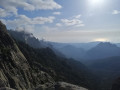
15,71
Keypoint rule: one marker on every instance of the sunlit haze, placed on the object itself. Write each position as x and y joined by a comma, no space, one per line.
101,39
96,2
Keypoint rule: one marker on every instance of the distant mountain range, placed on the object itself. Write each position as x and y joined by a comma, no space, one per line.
71,51
103,58
98,50
78,51
102,50
85,46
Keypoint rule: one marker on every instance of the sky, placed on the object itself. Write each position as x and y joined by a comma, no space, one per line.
64,20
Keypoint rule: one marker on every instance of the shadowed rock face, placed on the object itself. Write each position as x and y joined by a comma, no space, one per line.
67,86
6,88
15,71
116,85
60,86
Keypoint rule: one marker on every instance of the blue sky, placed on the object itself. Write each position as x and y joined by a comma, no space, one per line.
64,20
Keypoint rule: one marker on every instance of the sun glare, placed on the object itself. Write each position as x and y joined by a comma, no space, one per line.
96,2
101,39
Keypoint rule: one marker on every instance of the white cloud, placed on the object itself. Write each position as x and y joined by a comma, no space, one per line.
11,6
56,13
116,12
43,20
45,4
78,16
73,22
27,28
3,13
24,22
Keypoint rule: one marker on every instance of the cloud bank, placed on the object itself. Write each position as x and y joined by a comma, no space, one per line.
74,21
10,7
25,22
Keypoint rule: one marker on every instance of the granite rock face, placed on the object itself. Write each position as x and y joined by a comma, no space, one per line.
15,71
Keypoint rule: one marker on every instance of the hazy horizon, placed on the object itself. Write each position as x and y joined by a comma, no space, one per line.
41,38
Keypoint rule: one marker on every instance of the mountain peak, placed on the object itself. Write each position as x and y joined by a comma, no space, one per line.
1,23
2,27
106,44
103,50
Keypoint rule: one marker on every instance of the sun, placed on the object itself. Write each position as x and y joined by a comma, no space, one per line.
94,3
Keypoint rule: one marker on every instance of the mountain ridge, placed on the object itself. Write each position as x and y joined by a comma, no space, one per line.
103,50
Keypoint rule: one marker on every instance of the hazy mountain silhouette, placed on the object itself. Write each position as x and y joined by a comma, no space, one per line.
71,51
97,50
118,44
85,46
102,50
